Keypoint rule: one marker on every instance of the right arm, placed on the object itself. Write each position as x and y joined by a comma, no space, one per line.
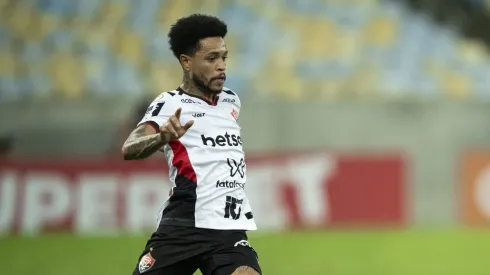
145,140
142,143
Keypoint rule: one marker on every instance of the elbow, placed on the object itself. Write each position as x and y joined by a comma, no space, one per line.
125,153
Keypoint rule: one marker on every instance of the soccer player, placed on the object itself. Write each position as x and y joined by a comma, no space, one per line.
203,223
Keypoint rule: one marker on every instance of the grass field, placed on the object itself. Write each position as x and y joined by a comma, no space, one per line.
294,253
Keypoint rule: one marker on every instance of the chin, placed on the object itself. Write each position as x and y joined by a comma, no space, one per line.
216,89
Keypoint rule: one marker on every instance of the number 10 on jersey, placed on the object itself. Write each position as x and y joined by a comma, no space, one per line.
231,208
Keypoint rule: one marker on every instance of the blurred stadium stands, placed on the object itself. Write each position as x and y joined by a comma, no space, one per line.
306,49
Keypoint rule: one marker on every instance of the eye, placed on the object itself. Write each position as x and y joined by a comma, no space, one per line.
225,57
211,58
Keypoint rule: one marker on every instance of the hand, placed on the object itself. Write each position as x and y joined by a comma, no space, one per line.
172,130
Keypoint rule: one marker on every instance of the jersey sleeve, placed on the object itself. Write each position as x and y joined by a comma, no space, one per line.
234,100
157,113
238,104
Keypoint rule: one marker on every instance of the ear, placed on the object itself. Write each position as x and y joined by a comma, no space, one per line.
186,62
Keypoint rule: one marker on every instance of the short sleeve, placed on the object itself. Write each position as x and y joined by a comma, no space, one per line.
238,104
157,113
234,100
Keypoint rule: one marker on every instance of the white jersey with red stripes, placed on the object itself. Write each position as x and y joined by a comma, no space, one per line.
207,164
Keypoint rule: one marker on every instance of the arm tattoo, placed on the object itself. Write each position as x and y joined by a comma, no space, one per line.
140,146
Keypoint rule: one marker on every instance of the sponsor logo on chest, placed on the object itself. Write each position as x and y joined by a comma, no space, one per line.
222,140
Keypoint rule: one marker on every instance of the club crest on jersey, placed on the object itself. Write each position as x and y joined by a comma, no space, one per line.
234,114
146,262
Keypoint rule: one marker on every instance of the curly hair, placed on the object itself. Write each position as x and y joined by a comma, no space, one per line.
185,34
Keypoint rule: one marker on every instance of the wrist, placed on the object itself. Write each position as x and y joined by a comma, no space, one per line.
162,139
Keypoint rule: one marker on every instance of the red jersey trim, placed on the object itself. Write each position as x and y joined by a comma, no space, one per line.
152,124
181,161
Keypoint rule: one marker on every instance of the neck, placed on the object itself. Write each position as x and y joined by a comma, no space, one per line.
190,87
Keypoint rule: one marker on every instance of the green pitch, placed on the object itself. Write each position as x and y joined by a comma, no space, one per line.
293,253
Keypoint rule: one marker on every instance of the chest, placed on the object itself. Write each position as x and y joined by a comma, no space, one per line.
217,122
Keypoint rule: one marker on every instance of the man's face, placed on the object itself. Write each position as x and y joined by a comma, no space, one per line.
209,64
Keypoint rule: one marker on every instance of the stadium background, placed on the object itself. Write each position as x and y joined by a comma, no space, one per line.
366,123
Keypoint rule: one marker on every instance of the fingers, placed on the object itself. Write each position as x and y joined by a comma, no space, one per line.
172,130
175,122
188,125
178,112
173,126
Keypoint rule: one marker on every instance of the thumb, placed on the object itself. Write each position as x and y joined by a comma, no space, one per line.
188,125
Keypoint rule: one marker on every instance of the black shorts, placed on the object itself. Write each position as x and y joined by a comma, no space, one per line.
174,250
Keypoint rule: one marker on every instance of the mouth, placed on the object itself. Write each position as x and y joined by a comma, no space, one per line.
220,79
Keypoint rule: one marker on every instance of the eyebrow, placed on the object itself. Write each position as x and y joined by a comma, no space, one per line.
217,52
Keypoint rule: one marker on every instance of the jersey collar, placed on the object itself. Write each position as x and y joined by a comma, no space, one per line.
213,103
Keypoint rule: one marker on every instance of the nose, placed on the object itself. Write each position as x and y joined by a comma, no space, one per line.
221,65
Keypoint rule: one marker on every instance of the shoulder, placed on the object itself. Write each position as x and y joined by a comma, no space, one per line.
170,98
228,95
166,96
164,103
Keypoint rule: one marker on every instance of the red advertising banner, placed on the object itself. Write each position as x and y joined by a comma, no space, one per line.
301,190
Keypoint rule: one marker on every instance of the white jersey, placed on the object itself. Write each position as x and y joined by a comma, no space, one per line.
207,165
